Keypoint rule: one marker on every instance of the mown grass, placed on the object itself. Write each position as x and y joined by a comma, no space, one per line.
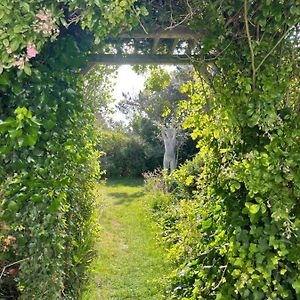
130,262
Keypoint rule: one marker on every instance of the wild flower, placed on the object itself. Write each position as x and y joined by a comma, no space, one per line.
45,23
31,50
20,61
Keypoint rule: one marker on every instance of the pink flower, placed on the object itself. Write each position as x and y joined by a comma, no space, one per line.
31,50
20,63
42,17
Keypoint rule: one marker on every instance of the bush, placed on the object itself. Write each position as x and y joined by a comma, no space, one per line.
124,155
224,248
48,172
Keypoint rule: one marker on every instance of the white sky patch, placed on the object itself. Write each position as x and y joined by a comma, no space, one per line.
129,82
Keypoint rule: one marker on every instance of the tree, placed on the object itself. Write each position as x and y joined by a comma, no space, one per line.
160,99
158,105
124,154
98,86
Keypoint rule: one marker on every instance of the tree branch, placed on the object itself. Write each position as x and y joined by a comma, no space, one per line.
275,46
220,281
250,43
12,264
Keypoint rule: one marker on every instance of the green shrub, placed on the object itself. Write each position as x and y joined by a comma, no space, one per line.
124,155
233,238
50,167
233,227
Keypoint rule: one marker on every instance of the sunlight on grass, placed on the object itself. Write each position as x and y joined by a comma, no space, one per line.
130,262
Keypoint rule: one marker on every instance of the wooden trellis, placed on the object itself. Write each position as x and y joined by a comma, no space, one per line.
173,35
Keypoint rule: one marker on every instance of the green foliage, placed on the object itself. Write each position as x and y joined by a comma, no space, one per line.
158,79
156,106
124,154
48,162
160,98
150,135
25,26
232,228
48,167
98,87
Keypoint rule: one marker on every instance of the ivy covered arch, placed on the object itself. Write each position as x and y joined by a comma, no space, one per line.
48,162
245,112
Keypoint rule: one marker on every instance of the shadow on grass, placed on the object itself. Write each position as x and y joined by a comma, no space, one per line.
114,182
125,197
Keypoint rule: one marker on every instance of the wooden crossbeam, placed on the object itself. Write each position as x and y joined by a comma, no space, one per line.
140,59
173,46
155,45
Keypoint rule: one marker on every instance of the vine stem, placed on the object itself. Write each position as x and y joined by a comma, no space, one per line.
220,281
250,43
275,46
12,264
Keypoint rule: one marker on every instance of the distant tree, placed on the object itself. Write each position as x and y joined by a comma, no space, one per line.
98,87
161,96
149,133
158,105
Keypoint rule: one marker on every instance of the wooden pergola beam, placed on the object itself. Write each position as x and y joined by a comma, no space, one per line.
140,59
155,45
173,46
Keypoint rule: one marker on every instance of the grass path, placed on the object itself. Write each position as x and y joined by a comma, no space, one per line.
130,262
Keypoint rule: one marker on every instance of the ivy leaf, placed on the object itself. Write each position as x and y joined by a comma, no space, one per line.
206,224
5,125
12,206
27,69
29,140
253,208
296,286
19,29
14,45
54,207
4,79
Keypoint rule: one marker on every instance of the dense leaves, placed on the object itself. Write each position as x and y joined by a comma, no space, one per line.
46,157
47,144
123,153
233,224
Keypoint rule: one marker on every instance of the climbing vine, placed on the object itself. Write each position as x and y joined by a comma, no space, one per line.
233,225
47,143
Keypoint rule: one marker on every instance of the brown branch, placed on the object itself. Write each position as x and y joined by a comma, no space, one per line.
187,17
139,19
12,264
218,54
73,20
234,17
250,43
223,273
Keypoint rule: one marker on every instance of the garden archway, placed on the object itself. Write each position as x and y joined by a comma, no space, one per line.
48,164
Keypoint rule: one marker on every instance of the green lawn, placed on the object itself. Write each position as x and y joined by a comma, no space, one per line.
130,263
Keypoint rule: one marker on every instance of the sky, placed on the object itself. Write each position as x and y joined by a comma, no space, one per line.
127,81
